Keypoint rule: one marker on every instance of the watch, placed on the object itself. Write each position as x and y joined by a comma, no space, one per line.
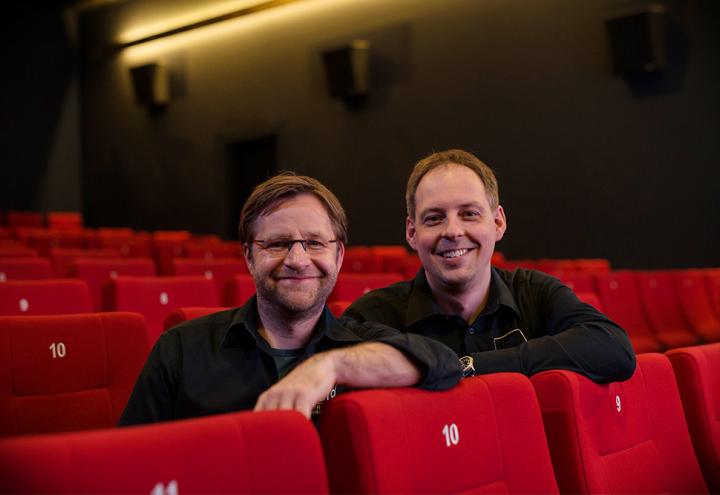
468,366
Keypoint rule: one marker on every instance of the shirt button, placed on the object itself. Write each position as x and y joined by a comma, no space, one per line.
472,331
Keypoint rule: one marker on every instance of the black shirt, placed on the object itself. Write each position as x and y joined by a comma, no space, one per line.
219,363
531,323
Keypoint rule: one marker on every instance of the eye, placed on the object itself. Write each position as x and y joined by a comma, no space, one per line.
276,245
432,219
470,214
314,244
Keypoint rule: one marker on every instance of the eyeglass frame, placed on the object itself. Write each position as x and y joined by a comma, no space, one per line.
291,244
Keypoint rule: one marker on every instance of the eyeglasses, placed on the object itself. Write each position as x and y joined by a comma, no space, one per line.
283,246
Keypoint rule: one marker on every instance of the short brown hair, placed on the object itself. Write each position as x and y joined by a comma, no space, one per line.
458,157
276,190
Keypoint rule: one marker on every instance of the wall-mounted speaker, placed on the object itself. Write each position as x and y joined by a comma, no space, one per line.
151,85
347,71
638,41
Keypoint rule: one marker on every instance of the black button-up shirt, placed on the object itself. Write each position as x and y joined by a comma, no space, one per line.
219,363
532,322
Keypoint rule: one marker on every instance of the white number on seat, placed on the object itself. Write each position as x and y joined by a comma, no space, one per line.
58,350
164,298
208,274
24,305
452,434
618,404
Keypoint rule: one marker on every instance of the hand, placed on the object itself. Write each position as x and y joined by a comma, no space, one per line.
303,387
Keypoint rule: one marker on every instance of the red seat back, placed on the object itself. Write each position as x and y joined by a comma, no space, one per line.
483,436
69,372
238,290
350,286
696,305
270,452
620,299
697,370
44,297
97,271
155,297
25,268
627,437
220,270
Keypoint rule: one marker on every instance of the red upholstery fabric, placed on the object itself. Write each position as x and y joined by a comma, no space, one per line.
620,299
238,290
628,437
590,298
696,305
63,258
401,440
270,452
697,370
97,271
208,250
338,307
155,297
361,260
44,240
663,309
180,315
64,220
70,372
24,219
44,297
713,282
16,250
350,286
411,266
579,282
220,270
25,268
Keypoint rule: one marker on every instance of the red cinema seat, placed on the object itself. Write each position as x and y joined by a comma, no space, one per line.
164,251
220,270
249,453
620,299
238,290
696,305
71,220
697,371
97,271
624,437
13,249
663,309
209,250
44,240
63,258
483,436
578,281
411,267
590,298
44,297
350,286
337,308
180,315
25,268
361,260
68,372
155,297
24,219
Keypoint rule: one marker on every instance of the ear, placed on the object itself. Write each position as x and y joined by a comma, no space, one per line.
247,254
340,254
410,232
500,223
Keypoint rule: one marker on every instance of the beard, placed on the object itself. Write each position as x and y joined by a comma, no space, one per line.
295,302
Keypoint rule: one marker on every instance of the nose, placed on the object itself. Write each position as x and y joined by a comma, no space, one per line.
296,257
453,228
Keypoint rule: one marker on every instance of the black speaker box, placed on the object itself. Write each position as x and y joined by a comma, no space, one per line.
638,41
348,70
151,85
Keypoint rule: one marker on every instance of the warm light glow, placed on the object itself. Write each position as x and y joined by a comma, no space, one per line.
184,18
153,50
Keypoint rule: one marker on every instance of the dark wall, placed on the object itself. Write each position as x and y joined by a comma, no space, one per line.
589,166
38,68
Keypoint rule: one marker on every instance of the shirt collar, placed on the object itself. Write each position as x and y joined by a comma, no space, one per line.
245,322
421,303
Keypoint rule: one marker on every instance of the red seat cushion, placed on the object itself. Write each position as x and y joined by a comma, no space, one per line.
270,452
483,436
628,437
68,372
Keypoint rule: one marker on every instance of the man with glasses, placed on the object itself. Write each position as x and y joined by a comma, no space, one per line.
498,320
283,349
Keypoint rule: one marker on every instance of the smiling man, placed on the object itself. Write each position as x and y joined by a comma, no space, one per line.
283,349
497,320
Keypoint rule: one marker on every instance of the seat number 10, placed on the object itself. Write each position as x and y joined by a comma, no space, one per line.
451,433
58,350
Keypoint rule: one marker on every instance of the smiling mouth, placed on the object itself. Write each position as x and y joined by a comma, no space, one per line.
455,253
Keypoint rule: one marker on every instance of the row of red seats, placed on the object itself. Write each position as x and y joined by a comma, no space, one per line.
33,219
557,431
659,309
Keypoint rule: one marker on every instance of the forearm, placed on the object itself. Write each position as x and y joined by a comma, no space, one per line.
372,365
